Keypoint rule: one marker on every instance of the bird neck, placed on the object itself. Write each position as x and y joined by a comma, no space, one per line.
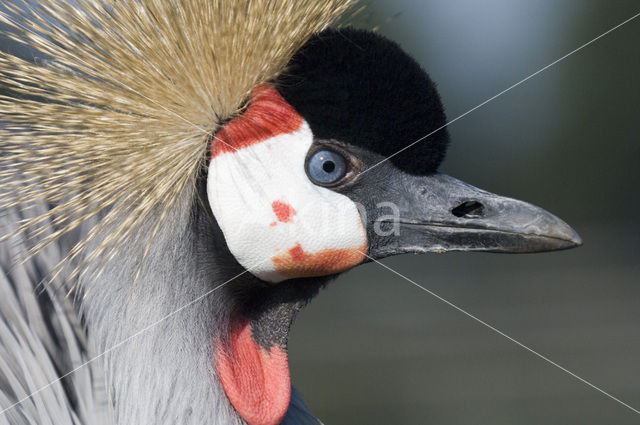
158,332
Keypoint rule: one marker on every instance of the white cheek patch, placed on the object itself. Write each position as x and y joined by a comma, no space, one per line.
276,222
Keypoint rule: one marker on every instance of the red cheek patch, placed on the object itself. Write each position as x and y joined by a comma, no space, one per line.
268,116
298,263
283,211
256,381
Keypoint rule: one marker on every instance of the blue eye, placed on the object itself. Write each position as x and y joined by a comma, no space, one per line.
326,167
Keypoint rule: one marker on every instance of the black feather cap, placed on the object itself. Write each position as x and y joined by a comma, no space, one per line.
362,89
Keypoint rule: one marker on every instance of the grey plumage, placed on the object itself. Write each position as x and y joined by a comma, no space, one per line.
41,339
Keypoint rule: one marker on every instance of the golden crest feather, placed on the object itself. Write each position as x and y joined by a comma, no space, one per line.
119,110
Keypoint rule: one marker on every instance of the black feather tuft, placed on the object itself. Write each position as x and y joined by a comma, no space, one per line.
360,88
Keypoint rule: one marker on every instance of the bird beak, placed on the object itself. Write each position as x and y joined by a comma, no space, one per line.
438,213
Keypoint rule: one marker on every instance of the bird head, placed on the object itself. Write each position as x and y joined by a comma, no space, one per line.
331,165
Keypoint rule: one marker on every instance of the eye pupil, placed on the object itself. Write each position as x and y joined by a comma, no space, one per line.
326,167
329,166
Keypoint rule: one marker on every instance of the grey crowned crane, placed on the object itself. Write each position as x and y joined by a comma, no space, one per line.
192,173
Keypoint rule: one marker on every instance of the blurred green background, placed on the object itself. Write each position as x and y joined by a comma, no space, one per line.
373,349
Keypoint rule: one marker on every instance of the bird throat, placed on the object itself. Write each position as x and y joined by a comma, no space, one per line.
252,361
279,226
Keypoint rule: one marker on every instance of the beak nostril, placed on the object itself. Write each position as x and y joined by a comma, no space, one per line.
469,209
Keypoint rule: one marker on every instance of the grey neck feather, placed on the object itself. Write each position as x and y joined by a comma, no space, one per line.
164,373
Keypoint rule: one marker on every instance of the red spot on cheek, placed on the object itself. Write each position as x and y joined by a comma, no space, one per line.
283,211
297,253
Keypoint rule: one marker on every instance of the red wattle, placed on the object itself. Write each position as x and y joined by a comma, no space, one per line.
257,381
